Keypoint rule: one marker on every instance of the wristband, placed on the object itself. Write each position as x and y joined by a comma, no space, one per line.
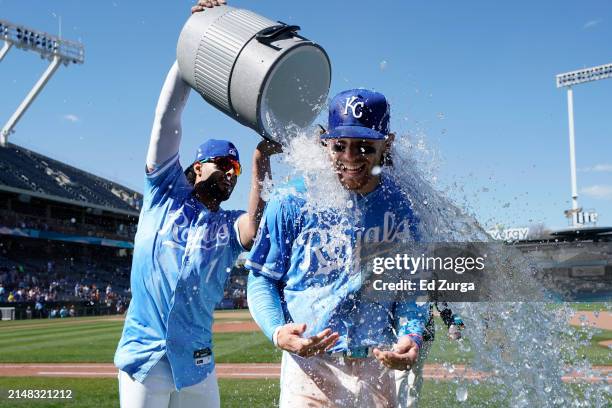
275,336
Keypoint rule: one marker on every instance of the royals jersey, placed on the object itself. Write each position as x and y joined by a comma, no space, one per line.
313,254
183,254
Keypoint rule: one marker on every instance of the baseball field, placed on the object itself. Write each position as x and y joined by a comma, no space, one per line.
75,355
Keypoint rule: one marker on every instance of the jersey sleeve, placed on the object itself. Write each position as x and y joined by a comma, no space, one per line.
410,319
235,232
271,252
263,296
164,183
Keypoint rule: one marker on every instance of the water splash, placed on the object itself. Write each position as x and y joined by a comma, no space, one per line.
525,347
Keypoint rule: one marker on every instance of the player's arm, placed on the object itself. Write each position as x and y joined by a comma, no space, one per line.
410,319
264,300
249,221
166,133
263,296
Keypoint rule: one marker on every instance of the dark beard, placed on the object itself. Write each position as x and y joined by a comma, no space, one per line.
210,188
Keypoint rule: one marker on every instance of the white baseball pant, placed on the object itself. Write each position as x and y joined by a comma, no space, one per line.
408,383
325,381
158,391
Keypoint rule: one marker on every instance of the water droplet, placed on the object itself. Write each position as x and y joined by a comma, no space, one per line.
383,65
461,393
376,170
349,204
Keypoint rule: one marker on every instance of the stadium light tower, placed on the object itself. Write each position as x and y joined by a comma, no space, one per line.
567,80
48,46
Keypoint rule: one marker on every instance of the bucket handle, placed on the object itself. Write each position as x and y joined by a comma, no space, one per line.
269,34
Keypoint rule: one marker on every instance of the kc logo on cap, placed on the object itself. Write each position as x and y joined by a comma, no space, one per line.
350,103
358,114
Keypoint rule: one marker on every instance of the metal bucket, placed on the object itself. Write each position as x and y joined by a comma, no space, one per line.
258,71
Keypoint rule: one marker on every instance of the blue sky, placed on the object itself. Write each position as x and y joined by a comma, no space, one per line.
476,78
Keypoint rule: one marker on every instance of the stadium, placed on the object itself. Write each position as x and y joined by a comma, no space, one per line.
66,250
66,242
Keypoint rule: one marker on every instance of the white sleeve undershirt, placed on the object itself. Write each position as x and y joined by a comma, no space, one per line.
166,132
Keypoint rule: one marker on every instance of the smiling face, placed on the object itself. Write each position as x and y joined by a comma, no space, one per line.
357,161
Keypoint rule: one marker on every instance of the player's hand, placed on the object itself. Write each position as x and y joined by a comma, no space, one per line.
290,338
403,355
268,147
204,4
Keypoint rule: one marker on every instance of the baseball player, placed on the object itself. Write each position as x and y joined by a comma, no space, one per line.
340,349
184,249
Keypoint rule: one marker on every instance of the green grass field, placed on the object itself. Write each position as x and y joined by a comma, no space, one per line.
93,340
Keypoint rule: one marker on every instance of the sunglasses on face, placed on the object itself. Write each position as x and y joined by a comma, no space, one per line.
225,164
363,149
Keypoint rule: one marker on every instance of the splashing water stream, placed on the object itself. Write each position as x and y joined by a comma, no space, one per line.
524,347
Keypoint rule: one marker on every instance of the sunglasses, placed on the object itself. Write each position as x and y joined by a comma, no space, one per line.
364,149
225,164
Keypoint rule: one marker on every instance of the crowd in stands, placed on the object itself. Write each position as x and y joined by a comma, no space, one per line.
46,277
82,283
67,226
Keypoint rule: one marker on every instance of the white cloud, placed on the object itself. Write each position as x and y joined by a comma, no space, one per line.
591,24
71,118
599,168
598,191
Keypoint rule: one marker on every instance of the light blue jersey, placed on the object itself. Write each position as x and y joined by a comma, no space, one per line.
312,254
183,254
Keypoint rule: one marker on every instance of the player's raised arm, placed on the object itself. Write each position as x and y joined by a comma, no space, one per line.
248,223
166,133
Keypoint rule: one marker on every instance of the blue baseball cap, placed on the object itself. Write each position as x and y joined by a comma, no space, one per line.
359,114
216,148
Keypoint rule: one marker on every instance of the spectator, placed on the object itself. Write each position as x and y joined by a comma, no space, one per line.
63,312
39,308
72,311
28,312
11,297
